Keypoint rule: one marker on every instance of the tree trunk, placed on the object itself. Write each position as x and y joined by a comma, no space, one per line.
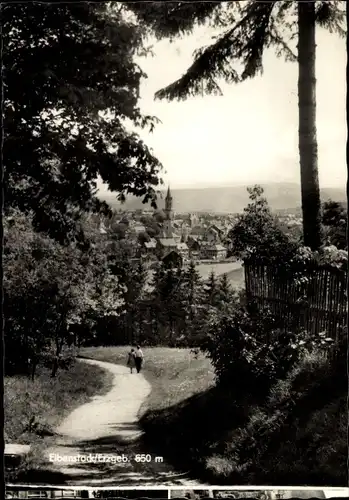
55,364
308,153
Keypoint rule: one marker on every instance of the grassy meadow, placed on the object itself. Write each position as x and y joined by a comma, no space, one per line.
233,270
174,374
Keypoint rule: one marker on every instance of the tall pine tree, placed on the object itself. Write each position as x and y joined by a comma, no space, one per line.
193,297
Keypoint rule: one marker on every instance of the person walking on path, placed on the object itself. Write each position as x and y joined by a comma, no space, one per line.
139,359
131,360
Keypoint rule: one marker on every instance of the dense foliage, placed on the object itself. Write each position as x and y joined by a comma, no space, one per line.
71,90
51,294
246,344
172,307
258,233
335,222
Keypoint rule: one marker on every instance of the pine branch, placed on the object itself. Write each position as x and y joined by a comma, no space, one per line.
331,15
244,43
172,19
282,48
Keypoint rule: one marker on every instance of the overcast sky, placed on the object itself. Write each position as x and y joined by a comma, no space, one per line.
250,134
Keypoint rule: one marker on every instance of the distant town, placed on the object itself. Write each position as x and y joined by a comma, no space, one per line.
177,238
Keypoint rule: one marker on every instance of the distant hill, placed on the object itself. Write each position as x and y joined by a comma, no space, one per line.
232,199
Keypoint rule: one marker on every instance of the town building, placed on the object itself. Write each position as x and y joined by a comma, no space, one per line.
213,251
191,238
193,220
212,235
150,246
169,241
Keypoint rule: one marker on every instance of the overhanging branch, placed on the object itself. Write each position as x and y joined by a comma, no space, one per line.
244,43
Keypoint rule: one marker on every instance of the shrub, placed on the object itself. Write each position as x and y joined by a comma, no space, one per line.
304,418
257,232
48,290
248,347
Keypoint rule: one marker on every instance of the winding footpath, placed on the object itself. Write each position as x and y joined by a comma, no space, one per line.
108,425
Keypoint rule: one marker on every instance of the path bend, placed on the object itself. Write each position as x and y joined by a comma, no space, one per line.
109,425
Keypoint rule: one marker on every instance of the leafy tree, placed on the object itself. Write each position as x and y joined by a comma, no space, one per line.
246,30
159,216
155,301
258,232
49,289
172,311
119,230
152,227
293,230
125,221
165,305
335,220
70,84
133,278
135,309
143,237
333,213
242,346
144,219
218,292
192,285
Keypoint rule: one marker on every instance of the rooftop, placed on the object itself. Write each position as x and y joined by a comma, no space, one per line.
182,246
167,242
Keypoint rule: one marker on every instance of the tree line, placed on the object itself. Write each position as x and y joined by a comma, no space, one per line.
171,307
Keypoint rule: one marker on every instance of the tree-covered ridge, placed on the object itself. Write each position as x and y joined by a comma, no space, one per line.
71,85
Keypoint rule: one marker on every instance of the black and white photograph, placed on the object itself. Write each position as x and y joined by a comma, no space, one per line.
67,493
175,251
305,493
36,493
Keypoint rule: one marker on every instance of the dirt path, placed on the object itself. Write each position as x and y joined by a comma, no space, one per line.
108,426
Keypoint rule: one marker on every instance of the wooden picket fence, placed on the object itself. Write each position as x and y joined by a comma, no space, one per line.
319,304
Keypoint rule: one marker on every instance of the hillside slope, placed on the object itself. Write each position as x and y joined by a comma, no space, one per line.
230,199
298,436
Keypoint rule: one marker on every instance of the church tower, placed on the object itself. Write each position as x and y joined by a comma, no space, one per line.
168,214
168,205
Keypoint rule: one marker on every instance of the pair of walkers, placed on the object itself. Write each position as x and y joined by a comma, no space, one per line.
135,359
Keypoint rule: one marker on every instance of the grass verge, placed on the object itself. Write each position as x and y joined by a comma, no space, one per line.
186,414
174,374
47,401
